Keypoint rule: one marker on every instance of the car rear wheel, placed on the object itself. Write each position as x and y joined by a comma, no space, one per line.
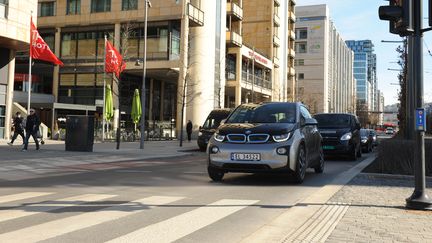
301,165
320,167
215,174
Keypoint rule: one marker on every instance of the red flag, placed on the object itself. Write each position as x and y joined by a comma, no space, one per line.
39,48
113,60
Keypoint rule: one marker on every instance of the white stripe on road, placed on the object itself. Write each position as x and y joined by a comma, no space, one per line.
32,209
22,196
66,225
177,227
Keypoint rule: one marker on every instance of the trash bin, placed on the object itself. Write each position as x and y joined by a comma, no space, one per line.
79,133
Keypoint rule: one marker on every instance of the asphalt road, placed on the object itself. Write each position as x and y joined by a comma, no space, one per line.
163,200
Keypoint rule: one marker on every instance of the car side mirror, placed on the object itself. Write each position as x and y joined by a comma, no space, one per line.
311,122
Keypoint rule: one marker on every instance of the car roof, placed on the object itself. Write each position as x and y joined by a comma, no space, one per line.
349,114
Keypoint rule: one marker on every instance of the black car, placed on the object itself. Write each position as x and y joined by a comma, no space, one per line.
341,134
212,122
374,136
366,140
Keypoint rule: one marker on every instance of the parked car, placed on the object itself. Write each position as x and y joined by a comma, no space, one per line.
366,140
267,137
210,125
340,133
389,130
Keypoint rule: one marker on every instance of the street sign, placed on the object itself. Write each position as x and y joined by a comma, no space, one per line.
420,119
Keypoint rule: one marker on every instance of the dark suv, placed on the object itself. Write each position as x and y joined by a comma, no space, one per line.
341,134
212,122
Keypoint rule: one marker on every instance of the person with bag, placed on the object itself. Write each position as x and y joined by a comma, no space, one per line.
18,128
189,127
32,128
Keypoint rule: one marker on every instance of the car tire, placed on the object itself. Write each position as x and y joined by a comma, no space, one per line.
301,165
353,154
320,167
215,174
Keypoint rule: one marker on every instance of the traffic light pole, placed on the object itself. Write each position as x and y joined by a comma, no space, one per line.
419,199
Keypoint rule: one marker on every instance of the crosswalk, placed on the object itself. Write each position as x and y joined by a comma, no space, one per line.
105,209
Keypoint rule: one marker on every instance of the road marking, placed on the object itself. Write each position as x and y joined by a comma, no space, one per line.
59,227
194,172
177,227
32,209
22,196
133,171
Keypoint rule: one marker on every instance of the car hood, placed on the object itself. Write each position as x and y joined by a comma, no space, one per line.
333,132
254,128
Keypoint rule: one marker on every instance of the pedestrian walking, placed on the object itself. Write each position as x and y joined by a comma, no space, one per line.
189,129
18,128
32,129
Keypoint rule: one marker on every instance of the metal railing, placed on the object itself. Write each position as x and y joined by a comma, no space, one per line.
234,38
3,10
196,15
235,10
259,81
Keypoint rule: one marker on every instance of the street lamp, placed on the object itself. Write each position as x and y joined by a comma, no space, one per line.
143,92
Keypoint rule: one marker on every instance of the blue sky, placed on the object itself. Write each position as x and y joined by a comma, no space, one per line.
358,20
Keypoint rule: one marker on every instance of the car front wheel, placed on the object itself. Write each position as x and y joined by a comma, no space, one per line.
215,174
320,167
301,165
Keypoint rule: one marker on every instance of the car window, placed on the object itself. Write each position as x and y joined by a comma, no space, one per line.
305,113
214,120
364,132
333,120
266,113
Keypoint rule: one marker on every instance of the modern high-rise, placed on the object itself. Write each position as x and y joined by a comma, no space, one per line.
14,36
324,63
365,73
207,45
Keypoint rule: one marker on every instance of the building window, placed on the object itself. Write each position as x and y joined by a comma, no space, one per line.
301,47
300,76
73,7
46,9
98,6
299,62
230,67
129,5
301,33
3,8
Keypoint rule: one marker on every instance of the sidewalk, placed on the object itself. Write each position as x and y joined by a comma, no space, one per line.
52,156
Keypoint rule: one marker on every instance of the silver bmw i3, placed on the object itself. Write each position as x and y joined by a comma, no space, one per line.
267,137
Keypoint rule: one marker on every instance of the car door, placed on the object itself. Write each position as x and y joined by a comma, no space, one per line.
310,132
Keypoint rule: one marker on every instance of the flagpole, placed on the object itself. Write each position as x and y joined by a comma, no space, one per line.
104,84
30,67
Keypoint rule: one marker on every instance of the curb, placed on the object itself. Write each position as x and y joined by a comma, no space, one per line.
393,176
305,212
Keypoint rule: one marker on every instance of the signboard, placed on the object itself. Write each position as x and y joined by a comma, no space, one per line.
420,119
247,52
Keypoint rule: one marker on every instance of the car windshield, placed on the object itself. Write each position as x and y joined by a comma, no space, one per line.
333,120
214,120
267,113
364,133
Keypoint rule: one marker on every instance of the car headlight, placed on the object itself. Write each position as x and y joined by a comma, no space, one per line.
364,140
281,137
199,134
219,137
346,136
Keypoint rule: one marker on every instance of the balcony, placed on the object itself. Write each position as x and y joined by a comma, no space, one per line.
292,16
235,11
276,41
291,53
3,10
277,3
276,20
259,82
291,72
276,61
233,39
196,16
291,35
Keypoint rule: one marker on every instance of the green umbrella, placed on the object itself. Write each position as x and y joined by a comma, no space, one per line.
136,107
109,109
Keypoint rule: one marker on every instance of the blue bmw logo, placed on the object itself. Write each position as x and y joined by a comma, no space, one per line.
248,132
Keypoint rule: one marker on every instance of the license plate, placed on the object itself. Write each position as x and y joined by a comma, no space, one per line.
326,147
246,156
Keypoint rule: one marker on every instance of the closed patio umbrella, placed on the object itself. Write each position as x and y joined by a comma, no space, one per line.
136,108
109,109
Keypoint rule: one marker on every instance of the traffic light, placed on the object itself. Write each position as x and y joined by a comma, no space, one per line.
398,12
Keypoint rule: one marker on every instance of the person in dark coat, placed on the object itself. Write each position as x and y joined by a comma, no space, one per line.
32,128
189,129
18,128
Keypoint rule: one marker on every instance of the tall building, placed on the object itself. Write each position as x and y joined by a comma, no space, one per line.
380,108
365,73
324,63
14,35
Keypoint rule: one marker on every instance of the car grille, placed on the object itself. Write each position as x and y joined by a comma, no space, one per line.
330,141
252,138
236,138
